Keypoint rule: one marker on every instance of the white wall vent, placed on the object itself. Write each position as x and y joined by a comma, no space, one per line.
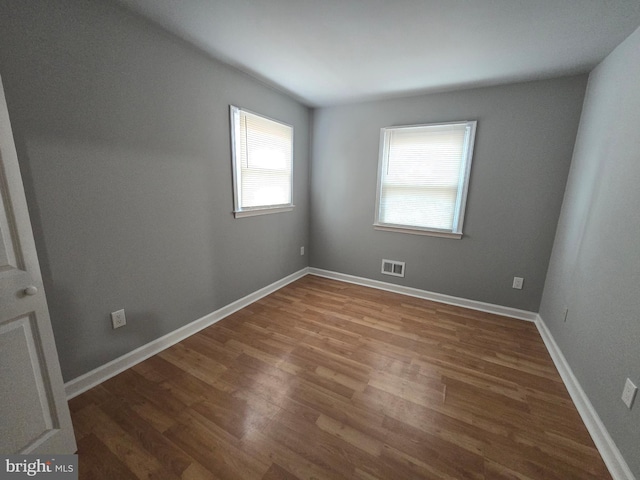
392,267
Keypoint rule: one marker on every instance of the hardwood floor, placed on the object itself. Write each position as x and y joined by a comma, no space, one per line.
328,380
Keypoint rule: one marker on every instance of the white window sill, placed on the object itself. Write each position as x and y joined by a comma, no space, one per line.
262,211
417,231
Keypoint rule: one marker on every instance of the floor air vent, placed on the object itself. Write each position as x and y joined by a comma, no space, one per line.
391,267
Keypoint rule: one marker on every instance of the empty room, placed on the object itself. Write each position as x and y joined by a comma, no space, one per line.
346,239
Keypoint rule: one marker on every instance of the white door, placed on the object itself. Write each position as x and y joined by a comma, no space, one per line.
34,415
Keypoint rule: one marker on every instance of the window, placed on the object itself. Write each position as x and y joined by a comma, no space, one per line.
262,156
423,177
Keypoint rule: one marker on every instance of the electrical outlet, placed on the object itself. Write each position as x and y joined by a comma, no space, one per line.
301,250
629,393
517,283
118,319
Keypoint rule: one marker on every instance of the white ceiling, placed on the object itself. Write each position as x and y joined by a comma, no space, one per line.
326,52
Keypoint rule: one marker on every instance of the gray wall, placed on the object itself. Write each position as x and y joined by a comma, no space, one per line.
595,266
122,134
523,148
123,138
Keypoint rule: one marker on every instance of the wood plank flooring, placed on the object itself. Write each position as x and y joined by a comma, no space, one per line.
328,380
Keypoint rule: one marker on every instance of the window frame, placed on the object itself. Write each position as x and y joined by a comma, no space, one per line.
463,183
238,210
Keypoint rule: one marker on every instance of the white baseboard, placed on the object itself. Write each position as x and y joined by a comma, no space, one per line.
604,443
435,297
95,377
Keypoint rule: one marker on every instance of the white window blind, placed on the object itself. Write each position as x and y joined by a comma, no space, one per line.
423,177
262,163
